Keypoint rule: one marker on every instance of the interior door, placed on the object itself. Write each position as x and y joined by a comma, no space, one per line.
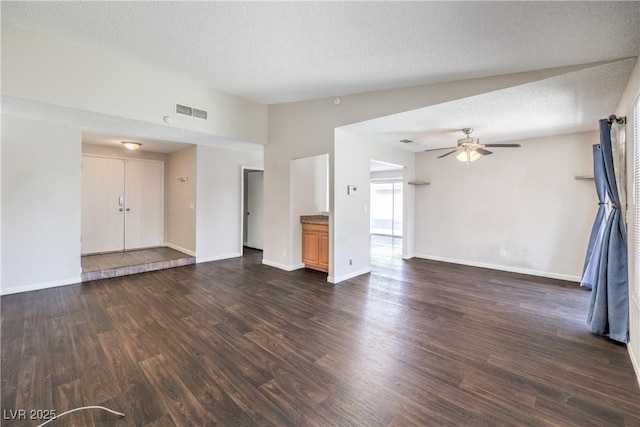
143,204
255,189
102,205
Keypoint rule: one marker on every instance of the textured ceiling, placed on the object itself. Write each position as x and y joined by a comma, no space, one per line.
285,51
567,103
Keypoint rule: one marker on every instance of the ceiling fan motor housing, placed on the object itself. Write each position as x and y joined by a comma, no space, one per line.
469,140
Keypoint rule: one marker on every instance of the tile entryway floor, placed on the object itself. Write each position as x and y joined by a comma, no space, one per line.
115,264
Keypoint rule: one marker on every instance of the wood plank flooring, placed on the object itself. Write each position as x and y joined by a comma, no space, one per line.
238,343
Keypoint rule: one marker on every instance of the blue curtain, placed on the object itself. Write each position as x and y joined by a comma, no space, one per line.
606,265
590,271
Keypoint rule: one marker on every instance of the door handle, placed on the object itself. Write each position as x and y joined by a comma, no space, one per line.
128,209
120,209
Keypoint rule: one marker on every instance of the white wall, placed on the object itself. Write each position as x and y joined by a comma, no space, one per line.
218,215
44,69
351,214
625,108
180,201
321,183
41,181
303,176
306,128
516,210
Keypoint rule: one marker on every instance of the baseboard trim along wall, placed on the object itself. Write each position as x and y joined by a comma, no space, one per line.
282,266
550,275
39,286
351,275
179,249
216,258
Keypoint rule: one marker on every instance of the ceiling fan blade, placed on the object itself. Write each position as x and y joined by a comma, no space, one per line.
503,145
450,152
443,148
483,151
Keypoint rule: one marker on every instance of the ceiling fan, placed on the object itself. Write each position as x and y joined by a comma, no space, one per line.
470,149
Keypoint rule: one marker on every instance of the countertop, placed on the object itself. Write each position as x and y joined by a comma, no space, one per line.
314,219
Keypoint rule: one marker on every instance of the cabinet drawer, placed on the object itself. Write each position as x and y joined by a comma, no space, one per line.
315,227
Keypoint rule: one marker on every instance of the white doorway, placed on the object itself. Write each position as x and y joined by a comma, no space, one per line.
122,204
254,209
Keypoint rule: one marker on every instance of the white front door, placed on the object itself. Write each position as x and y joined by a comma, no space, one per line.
122,204
255,185
102,204
143,199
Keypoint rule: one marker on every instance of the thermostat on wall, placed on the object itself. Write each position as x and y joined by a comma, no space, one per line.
352,190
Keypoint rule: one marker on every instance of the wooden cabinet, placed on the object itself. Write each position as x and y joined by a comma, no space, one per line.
315,246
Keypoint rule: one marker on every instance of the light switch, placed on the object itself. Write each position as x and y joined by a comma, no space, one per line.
352,190
192,206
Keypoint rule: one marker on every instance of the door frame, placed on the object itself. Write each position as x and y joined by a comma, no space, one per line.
244,168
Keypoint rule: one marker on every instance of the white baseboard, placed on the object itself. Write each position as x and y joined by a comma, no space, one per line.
282,266
348,276
179,249
550,275
217,257
409,256
37,286
634,362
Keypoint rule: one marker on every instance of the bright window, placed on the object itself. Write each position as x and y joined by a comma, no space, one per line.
386,208
635,260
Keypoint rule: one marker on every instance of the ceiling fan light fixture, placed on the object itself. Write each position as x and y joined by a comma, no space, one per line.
130,145
468,156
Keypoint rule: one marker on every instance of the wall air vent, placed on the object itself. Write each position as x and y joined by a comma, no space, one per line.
183,109
201,114
190,111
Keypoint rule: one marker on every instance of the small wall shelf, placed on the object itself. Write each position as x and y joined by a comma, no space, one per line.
419,183
583,177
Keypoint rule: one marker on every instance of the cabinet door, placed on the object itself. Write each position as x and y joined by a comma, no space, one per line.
324,250
310,247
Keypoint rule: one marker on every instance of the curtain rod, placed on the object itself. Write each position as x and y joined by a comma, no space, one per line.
619,120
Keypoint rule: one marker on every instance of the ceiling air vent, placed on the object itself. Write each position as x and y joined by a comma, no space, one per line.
190,111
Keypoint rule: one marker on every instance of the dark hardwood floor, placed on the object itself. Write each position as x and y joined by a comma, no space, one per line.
235,342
